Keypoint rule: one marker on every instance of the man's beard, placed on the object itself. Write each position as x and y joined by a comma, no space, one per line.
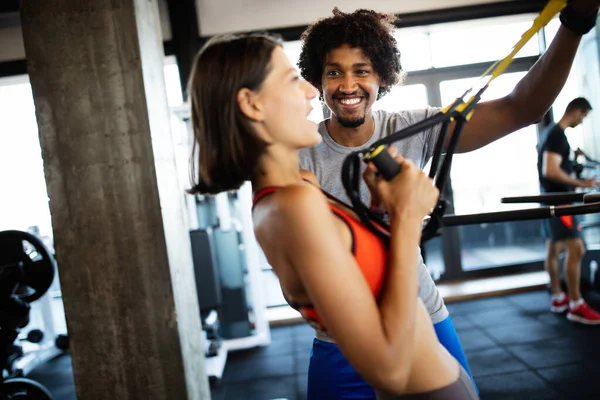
351,123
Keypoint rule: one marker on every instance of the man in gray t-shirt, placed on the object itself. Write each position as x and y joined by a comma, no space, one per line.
324,160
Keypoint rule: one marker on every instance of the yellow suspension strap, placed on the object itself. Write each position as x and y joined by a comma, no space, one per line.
458,112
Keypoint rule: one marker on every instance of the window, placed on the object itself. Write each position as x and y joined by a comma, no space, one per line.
486,174
415,49
24,200
403,98
507,167
479,41
171,73
550,30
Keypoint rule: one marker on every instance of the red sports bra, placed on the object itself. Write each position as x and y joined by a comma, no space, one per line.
369,252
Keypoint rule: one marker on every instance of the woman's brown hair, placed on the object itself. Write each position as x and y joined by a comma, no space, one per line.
225,149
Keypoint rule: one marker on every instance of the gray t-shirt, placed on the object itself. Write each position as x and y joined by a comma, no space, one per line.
326,158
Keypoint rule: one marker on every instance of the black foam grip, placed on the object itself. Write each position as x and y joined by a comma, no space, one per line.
386,165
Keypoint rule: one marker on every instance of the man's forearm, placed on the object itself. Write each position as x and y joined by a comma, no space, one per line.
537,91
562,177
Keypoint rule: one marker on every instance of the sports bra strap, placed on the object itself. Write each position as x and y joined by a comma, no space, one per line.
262,193
268,190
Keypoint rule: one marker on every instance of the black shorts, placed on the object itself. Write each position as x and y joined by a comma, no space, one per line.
561,228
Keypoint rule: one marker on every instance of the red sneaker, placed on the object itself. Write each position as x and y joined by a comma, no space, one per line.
560,306
584,314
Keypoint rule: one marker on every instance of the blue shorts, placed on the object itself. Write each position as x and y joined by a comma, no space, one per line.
331,377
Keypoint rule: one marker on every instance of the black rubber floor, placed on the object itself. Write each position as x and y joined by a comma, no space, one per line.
516,348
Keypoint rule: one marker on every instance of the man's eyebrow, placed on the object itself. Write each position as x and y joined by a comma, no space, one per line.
355,65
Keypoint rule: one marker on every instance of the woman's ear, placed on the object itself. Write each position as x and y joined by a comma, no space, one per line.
248,102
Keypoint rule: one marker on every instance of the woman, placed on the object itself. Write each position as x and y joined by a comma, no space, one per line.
249,116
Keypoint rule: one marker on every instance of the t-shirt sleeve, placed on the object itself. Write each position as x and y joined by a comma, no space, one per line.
555,143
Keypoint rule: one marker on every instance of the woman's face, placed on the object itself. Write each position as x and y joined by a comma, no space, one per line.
285,102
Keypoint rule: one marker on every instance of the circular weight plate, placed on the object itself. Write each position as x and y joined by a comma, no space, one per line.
25,389
35,262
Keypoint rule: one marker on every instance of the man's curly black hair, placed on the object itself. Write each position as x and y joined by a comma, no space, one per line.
371,31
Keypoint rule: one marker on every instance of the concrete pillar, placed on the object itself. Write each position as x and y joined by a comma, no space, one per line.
123,250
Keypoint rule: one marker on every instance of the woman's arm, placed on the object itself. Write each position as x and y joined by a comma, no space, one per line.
376,340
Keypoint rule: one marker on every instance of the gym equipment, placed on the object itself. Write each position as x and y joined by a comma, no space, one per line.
23,389
35,271
235,322
226,264
459,112
26,273
589,163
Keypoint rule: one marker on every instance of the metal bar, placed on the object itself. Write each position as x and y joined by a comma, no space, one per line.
591,198
466,71
547,198
520,215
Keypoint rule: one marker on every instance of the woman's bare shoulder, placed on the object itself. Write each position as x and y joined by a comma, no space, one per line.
298,199
291,209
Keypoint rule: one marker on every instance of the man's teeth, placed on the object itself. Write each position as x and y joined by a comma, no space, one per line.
350,101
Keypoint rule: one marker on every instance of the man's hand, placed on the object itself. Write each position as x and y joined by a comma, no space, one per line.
587,183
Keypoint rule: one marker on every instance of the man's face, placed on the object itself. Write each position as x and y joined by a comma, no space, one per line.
578,117
350,85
